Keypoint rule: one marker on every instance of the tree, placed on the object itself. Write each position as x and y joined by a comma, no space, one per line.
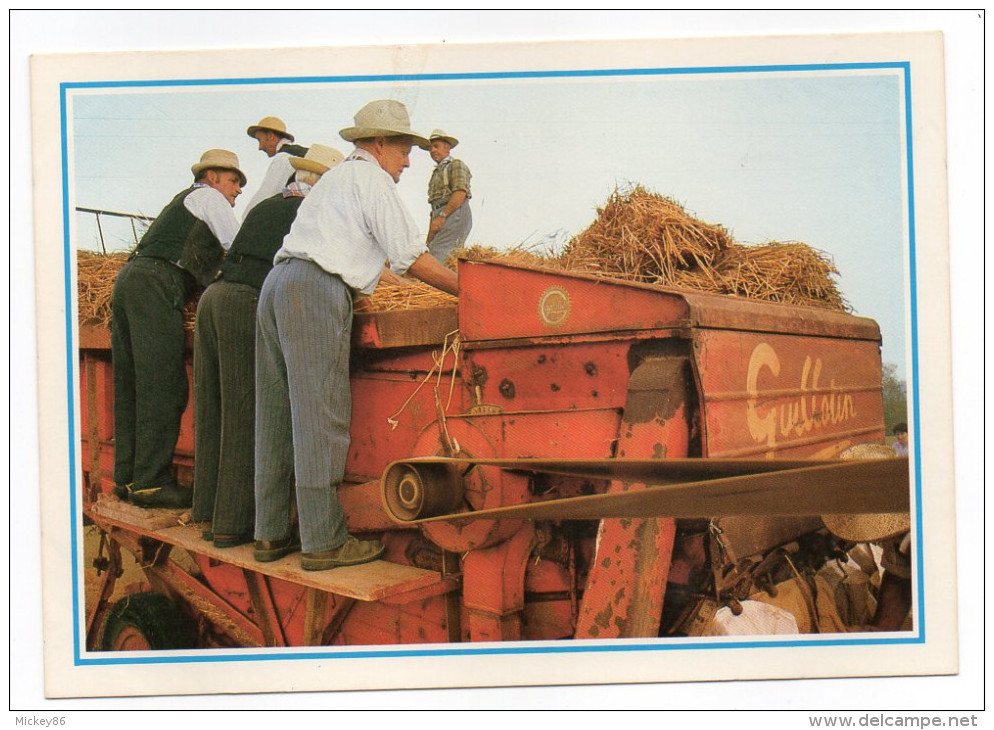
895,392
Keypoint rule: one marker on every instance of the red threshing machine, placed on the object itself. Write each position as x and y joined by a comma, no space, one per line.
589,458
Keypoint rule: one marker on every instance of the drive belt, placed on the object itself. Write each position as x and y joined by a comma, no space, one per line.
681,488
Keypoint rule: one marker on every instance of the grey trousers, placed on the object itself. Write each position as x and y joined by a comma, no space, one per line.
303,403
148,342
224,407
453,234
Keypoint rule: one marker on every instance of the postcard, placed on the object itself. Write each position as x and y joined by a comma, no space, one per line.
694,278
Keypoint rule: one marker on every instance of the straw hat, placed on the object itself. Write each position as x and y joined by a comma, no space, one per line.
270,124
871,527
384,118
218,159
439,134
319,159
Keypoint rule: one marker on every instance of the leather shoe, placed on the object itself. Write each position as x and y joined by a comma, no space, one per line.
266,551
352,552
171,495
229,541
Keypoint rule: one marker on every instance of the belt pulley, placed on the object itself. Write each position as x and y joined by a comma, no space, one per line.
429,489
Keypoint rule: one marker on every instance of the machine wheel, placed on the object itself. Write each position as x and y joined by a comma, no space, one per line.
147,621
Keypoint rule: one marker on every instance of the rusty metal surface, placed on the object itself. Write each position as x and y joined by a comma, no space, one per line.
766,395
494,606
729,487
557,302
627,582
548,303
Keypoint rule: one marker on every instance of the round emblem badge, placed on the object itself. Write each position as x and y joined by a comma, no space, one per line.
553,306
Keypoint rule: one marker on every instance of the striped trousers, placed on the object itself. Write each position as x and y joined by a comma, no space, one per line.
303,403
453,234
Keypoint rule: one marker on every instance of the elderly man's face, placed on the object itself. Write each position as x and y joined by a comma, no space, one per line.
267,141
439,149
395,155
226,182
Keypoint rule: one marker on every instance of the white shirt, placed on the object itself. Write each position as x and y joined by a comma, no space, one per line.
210,206
352,222
278,172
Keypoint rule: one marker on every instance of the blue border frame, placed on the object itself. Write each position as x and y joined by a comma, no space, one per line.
72,362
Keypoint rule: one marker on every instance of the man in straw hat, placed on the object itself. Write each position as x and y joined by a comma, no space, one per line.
892,532
224,359
277,143
178,254
448,196
347,229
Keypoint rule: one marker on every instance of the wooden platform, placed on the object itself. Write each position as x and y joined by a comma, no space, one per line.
374,581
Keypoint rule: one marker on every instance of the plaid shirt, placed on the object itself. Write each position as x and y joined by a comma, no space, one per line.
448,176
296,190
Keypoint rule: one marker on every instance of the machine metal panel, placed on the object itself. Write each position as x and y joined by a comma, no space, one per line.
787,396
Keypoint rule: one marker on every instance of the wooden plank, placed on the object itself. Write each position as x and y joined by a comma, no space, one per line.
404,327
369,582
145,520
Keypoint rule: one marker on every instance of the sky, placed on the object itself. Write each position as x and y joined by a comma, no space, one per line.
788,156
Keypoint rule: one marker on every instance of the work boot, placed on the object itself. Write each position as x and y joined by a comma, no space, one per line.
351,552
266,551
171,495
230,541
123,491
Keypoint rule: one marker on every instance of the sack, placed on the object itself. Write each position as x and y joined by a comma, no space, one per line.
756,619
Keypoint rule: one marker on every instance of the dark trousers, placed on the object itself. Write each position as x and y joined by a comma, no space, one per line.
224,408
150,385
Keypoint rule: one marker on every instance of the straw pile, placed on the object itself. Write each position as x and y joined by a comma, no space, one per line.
516,255
412,295
643,236
95,284
96,273
789,272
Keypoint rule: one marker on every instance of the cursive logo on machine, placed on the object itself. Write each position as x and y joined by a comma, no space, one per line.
807,408
554,306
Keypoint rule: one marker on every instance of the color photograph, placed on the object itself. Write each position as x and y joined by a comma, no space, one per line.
494,365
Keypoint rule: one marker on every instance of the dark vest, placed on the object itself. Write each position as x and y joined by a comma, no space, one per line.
293,149
262,232
181,238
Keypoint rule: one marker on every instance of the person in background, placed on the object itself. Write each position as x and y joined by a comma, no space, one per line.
179,253
277,143
901,439
350,225
224,359
448,195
